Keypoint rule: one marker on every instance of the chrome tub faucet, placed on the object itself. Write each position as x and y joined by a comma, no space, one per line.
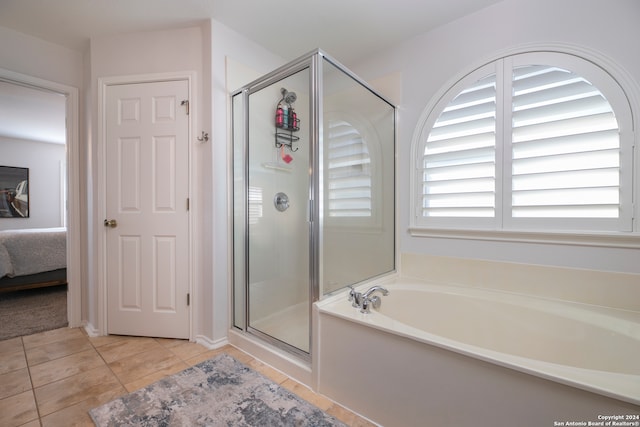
365,301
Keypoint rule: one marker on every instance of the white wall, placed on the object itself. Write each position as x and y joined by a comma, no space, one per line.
227,46
47,167
38,58
430,61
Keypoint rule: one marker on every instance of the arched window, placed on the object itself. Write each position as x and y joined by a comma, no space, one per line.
534,141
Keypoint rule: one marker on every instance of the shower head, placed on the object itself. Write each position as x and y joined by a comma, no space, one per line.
290,97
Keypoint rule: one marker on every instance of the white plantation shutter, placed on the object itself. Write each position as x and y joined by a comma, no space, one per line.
527,145
349,172
459,156
566,147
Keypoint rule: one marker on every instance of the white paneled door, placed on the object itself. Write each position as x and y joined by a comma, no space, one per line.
147,218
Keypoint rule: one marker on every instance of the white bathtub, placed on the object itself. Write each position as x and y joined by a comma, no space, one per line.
447,354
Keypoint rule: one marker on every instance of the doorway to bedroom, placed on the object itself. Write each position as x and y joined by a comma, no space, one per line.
38,231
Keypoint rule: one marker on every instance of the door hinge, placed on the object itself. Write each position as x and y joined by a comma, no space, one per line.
188,299
186,103
187,203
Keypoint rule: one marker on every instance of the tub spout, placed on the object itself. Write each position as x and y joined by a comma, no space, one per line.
372,289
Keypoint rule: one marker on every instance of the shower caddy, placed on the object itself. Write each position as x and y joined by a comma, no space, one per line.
286,121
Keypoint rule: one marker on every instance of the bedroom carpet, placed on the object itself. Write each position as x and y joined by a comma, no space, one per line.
32,310
216,392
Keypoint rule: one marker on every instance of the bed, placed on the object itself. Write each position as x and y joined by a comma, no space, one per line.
32,258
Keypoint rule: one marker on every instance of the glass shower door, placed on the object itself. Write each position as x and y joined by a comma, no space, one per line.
358,182
278,215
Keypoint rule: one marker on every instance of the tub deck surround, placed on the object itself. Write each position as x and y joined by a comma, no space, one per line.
593,287
547,353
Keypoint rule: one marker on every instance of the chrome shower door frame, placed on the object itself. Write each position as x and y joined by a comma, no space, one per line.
267,80
314,61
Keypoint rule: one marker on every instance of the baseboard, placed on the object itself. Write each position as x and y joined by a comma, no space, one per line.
211,344
90,329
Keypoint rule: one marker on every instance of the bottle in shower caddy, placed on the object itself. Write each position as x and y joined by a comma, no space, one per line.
293,117
285,116
279,116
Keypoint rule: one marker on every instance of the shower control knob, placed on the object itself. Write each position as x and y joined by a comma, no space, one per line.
281,202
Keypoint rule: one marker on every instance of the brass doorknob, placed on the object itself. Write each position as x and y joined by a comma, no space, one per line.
110,223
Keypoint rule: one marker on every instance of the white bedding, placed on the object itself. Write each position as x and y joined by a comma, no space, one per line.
31,251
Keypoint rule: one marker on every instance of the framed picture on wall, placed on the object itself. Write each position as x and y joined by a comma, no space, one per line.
14,192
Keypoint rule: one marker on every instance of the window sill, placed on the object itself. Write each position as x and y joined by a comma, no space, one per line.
608,240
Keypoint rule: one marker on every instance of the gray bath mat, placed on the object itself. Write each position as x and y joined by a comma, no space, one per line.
217,392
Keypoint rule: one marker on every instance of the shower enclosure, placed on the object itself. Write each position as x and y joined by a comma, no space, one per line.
313,194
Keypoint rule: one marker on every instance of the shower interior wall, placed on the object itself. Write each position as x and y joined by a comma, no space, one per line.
279,277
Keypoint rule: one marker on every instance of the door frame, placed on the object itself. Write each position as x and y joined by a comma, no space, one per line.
101,240
72,212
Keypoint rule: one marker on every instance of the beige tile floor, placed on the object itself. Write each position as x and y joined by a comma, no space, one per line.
53,378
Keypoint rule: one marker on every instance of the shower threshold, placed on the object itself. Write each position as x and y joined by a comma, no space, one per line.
290,325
